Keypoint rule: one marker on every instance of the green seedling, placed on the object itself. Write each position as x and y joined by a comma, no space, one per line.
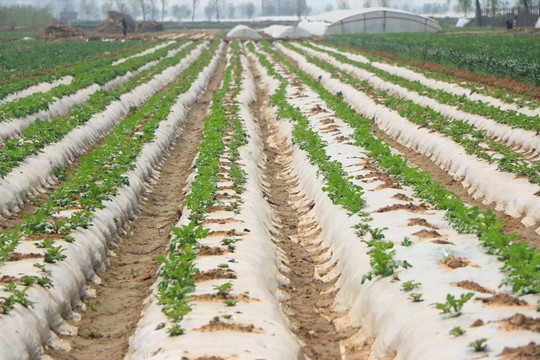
45,244
415,297
479,345
91,305
406,241
43,268
453,306
229,243
223,266
457,331
224,289
160,326
54,254
227,316
229,302
409,285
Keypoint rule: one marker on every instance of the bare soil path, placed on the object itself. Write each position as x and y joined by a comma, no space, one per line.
111,318
309,306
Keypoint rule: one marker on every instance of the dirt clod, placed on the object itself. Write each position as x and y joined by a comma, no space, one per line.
527,352
502,299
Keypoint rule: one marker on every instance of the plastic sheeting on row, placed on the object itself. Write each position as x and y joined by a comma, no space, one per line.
411,331
13,127
38,88
368,20
242,31
37,326
255,263
37,171
514,137
514,196
143,53
284,32
462,22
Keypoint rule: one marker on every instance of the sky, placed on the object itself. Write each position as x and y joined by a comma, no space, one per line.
318,6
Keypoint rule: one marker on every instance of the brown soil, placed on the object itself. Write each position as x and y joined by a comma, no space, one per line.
421,222
206,250
477,323
426,234
18,256
401,196
520,322
57,31
454,262
214,274
218,325
502,299
149,26
422,207
219,298
5,279
471,285
113,23
127,282
309,302
443,242
527,352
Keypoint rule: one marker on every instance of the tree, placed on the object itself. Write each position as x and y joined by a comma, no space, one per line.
194,5
384,3
210,10
329,7
250,9
142,4
121,5
300,8
106,6
153,8
343,4
180,12
88,9
231,10
367,3
464,6
163,4
478,13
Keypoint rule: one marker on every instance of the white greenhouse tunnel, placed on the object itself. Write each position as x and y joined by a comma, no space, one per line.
285,32
368,20
243,32
39,325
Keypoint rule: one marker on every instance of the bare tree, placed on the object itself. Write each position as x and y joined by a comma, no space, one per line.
478,13
250,10
464,5
142,5
383,3
301,8
153,8
121,5
194,5
163,4
343,4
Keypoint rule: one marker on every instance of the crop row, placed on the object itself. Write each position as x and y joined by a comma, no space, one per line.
513,57
100,75
374,305
24,61
529,120
473,140
101,196
520,259
41,133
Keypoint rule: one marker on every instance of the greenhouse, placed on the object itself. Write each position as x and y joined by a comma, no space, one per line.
283,32
242,31
369,20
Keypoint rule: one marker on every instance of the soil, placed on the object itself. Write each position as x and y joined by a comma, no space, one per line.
421,222
309,303
214,274
471,285
527,352
420,208
219,298
205,250
477,323
402,197
443,242
502,299
454,262
57,31
520,322
427,234
127,281
218,325
18,256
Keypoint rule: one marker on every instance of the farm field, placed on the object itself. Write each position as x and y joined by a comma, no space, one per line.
265,200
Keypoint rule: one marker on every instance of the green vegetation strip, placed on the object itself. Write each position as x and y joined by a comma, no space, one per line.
178,267
470,138
98,75
521,262
510,56
100,174
12,85
42,133
23,61
508,117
